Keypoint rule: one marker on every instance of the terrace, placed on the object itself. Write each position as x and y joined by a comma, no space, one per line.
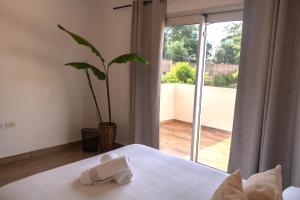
176,116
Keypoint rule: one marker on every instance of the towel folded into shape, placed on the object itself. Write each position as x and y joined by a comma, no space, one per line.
108,156
117,169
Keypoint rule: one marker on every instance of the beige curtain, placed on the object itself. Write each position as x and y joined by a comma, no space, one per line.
266,116
147,37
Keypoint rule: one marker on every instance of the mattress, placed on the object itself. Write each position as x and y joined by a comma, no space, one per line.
157,176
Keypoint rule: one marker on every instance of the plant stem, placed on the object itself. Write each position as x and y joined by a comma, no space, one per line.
108,99
93,93
106,71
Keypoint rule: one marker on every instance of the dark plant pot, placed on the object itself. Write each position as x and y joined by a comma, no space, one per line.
108,132
89,139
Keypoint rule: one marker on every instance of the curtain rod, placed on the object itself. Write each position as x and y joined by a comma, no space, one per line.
129,5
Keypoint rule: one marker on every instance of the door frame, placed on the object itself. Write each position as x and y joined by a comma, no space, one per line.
196,131
202,19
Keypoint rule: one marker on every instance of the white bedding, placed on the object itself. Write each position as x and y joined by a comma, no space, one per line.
291,193
157,176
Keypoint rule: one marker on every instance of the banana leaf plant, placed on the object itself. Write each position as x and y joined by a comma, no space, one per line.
100,74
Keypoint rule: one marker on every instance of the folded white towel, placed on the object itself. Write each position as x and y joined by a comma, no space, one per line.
108,156
106,171
85,178
123,177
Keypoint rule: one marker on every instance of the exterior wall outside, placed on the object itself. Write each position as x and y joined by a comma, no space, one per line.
165,66
184,102
217,108
217,69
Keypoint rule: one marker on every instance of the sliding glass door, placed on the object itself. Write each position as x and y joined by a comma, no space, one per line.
198,86
179,71
219,92
213,120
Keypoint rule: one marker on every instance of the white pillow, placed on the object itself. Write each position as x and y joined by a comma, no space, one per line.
266,185
231,188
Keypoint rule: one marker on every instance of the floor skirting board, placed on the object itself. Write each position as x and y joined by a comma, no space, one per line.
39,152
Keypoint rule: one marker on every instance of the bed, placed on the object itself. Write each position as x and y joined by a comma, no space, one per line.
157,176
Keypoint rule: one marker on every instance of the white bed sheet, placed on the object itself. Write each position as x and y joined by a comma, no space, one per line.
291,193
157,176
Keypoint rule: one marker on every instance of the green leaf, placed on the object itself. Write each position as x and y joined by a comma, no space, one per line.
79,65
80,40
129,57
99,74
82,65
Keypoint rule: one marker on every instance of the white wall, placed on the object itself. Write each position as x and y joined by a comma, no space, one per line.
50,103
177,102
218,107
184,102
167,96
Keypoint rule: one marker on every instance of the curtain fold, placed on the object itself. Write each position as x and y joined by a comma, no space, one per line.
264,126
146,39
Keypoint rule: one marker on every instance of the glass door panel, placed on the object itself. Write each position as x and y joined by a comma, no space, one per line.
198,88
178,78
218,93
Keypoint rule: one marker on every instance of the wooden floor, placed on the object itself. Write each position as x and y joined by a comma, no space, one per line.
20,169
176,136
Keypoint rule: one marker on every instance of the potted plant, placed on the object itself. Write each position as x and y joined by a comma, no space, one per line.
107,129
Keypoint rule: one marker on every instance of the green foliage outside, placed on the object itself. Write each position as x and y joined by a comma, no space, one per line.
222,80
181,72
177,51
228,51
209,53
181,46
181,42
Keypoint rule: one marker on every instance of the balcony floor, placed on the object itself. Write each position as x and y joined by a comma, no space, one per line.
176,136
